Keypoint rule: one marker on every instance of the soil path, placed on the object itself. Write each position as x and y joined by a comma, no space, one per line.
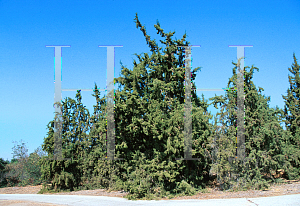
289,187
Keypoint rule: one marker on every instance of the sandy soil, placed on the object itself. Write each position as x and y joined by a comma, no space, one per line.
24,203
289,187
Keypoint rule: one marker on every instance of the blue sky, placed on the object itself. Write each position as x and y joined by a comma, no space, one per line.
27,71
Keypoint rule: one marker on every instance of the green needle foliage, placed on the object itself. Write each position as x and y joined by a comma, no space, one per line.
149,115
97,172
264,137
67,173
150,122
292,122
149,125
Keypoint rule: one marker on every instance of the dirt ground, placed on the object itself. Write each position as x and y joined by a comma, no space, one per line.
287,188
24,203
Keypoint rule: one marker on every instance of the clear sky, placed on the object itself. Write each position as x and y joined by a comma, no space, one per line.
27,66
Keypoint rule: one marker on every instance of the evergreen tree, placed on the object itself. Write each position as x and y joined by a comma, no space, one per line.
263,137
67,173
292,122
97,172
149,122
149,126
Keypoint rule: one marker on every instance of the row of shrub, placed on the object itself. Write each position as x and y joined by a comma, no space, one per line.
149,119
149,133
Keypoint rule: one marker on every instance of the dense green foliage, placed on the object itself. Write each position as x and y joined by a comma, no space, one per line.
67,173
149,111
292,122
264,137
149,117
149,125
